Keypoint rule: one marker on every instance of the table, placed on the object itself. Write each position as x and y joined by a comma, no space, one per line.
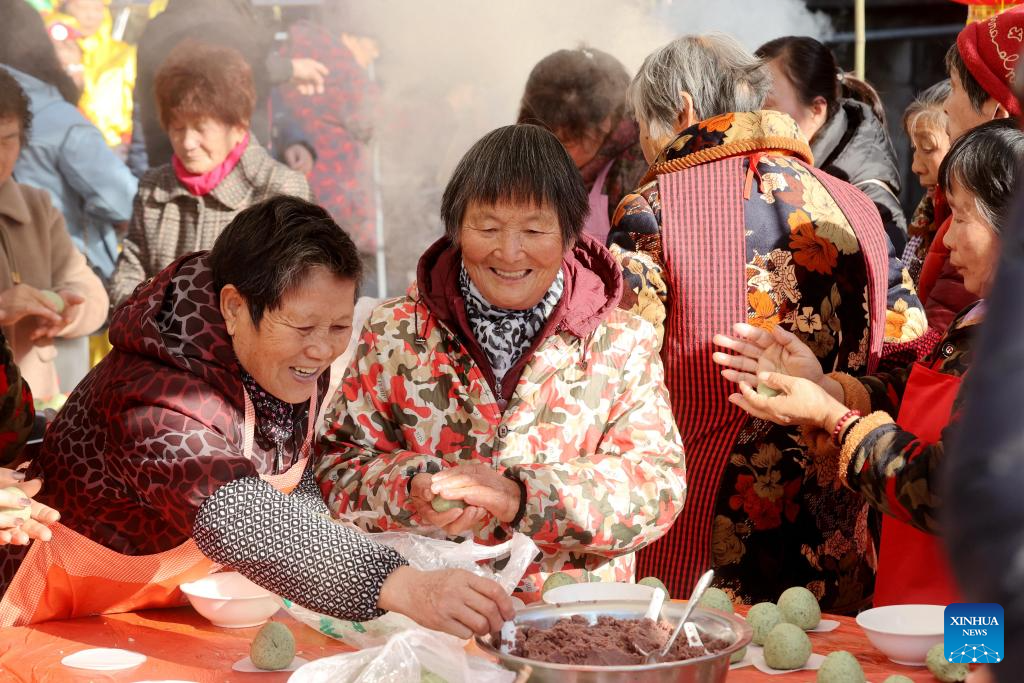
182,645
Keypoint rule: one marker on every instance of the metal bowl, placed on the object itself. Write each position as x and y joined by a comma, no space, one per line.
706,669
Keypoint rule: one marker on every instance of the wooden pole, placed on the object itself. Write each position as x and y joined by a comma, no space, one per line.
860,43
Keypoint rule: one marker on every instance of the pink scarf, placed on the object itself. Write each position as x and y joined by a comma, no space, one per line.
199,184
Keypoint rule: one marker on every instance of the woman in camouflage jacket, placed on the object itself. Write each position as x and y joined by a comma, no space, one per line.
508,380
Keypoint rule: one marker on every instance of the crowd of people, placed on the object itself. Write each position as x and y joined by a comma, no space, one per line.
706,257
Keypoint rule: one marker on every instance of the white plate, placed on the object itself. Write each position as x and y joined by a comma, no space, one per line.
246,666
825,626
104,659
598,590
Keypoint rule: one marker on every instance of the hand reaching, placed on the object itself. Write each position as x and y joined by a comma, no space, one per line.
799,401
450,600
759,350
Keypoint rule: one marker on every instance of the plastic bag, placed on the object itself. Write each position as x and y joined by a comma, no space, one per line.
427,554
405,658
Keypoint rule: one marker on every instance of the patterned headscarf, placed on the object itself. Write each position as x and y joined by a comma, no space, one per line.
275,419
505,334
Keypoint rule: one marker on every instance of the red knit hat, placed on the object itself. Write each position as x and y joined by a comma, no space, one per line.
990,50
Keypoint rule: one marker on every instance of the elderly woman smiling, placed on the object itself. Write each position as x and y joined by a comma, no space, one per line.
206,96
186,448
508,380
894,454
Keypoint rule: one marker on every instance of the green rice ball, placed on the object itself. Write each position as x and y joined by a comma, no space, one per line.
787,647
898,678
738,655
444,505
716,598
799,606
840,667
54,298
654,582
763,617
557,580
273,648
945,671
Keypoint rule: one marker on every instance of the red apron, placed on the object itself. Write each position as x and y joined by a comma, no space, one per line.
72,576
912,566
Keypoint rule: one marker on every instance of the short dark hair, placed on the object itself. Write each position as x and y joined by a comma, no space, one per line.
198,80
272,246
571,92
14,103
985,162
517,163
955,65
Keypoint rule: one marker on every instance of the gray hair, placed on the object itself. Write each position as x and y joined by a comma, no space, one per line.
720,75
928,107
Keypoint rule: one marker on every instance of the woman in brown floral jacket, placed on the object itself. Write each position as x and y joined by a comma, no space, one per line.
894,463
734,222
206,97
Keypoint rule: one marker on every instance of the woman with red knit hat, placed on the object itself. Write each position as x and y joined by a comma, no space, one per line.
981,66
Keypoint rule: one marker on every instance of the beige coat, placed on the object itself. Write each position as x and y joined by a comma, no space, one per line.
37,250
168,222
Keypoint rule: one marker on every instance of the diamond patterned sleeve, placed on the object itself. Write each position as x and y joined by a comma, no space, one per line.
279,543
308,492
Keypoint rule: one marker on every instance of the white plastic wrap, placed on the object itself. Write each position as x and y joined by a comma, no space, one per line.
405,657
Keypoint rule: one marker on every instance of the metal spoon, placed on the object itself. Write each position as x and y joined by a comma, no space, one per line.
695,596
654,608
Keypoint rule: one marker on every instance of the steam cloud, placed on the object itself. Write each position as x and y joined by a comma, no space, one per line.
451,70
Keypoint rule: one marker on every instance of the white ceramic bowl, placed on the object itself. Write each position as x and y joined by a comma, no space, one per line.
230,600
904,633
597,590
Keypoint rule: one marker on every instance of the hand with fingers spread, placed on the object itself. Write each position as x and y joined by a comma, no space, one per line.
799,401
758,350
13,529
479,485
454,522
450,600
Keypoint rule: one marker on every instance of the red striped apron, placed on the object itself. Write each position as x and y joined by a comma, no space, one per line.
704,253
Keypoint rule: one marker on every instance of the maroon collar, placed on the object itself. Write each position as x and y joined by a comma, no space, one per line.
593,286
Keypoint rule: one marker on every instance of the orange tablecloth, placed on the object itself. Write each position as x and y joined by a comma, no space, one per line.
182,645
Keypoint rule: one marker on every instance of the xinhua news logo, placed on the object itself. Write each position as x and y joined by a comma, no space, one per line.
974,633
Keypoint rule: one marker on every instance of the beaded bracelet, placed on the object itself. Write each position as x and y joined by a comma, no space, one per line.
841,423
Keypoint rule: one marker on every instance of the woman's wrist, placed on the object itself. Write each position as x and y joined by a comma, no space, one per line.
835,413
514,498
395,588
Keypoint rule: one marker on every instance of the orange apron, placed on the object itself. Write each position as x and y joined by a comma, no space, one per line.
72,576
912,565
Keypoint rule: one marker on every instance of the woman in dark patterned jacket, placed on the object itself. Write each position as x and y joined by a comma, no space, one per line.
895,463
186,449
16,418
